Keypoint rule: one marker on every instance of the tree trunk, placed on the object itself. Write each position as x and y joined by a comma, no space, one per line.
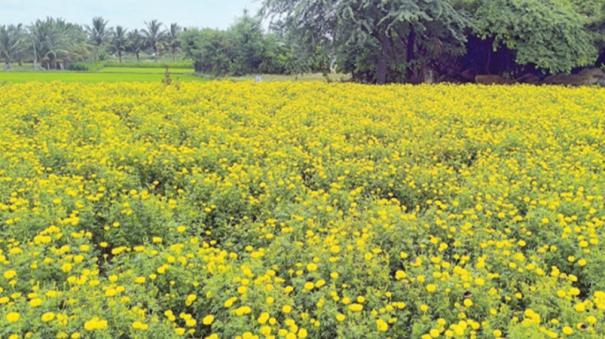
382,65
410,55
138,56
197,66
120,56
601,59
381,69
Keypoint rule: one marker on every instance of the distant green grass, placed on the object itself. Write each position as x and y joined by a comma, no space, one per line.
91,77
147,74
143,70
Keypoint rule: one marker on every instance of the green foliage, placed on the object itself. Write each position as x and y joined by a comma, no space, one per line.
55,40
549,34
242,49
382,30
13,44
136,43
372,40
85,66
209,50
172,39
154,36
98,35
119,41
247,45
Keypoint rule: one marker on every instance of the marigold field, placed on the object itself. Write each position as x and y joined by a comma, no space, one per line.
292,210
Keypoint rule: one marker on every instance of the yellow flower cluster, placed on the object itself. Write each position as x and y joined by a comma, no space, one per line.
293,210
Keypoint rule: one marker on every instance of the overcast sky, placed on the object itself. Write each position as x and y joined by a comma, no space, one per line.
129,13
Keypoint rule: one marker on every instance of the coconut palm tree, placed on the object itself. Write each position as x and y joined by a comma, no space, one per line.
119,41
56,42
172,39
136,43
13,43
154,36
98,34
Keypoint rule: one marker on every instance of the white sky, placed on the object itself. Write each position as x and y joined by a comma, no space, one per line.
129,13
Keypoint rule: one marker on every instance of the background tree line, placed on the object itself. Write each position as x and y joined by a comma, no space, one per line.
375,41
426,40
57,44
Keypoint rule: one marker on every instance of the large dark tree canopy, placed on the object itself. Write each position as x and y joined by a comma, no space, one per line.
376,40
549,34
406,40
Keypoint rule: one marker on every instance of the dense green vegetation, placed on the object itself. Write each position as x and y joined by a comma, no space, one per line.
373,41
420,40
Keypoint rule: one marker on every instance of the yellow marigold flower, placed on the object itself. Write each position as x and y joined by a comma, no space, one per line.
48,316
190,299
243,310
35,302
137,325
170,315
208,320
580,307
382,325
265,330
400,275
66,267
312,267
13,317
229,302
9,274
262,319
591,319
340,317
95,324
190,322
355,307
431,288
434,333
